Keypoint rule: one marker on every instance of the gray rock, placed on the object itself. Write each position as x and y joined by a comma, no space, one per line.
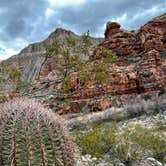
151,162
32,69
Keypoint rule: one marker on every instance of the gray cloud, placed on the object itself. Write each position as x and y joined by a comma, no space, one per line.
20,15
25,20
93,15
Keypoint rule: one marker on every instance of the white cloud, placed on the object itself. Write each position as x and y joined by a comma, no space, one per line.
150,12
9,49
6,53
19,43
127,21
64,3
2,10
49,12
120,19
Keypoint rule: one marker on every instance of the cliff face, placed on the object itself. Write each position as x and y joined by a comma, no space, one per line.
142,62
140,69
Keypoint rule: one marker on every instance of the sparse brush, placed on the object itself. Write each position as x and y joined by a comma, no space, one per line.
31,135
140,106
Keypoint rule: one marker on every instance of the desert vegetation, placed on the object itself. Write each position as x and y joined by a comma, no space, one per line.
129,145
13,76
73,67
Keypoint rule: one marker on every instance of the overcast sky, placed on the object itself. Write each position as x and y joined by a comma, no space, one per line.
27,21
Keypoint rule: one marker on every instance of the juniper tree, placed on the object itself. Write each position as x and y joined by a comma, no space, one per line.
68,53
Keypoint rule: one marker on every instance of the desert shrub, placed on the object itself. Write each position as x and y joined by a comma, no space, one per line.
140,106
125,149
70,41
162,90
129,145
33,135
14,74
86,43
97,141
127,152
160,123
84,76
66,85
147,97
152,141
109,55
2,79
3,67
3,98
68,54
23,85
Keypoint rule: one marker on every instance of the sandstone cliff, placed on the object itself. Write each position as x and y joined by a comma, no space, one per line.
140,69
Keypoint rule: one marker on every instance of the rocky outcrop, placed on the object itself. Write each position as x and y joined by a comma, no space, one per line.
140,69
119,40
150,36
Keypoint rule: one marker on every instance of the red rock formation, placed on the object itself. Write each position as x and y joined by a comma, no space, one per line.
150,36
140,69
148,71
119,40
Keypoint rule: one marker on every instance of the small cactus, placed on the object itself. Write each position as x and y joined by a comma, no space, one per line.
31,135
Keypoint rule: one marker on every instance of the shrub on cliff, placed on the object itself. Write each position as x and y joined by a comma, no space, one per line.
13,76
68,55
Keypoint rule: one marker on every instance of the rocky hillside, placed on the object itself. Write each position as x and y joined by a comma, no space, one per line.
141,53
139,70
31,58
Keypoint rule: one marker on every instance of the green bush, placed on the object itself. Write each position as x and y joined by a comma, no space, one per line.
14,74
3,98
23,85
97,141
129,145
152,141
125,149
162,90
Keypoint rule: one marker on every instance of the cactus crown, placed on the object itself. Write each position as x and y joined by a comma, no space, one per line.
31,135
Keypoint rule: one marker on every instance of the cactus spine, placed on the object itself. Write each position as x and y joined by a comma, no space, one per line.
31,135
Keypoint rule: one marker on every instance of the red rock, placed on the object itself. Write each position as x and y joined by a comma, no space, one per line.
112,28
150,36
140,68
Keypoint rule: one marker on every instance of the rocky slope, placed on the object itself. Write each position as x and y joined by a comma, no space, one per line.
140,69
31,58
31,61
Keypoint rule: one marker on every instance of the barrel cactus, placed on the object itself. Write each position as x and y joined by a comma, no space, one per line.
31,135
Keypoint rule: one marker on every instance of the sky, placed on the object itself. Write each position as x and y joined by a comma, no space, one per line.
26,21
